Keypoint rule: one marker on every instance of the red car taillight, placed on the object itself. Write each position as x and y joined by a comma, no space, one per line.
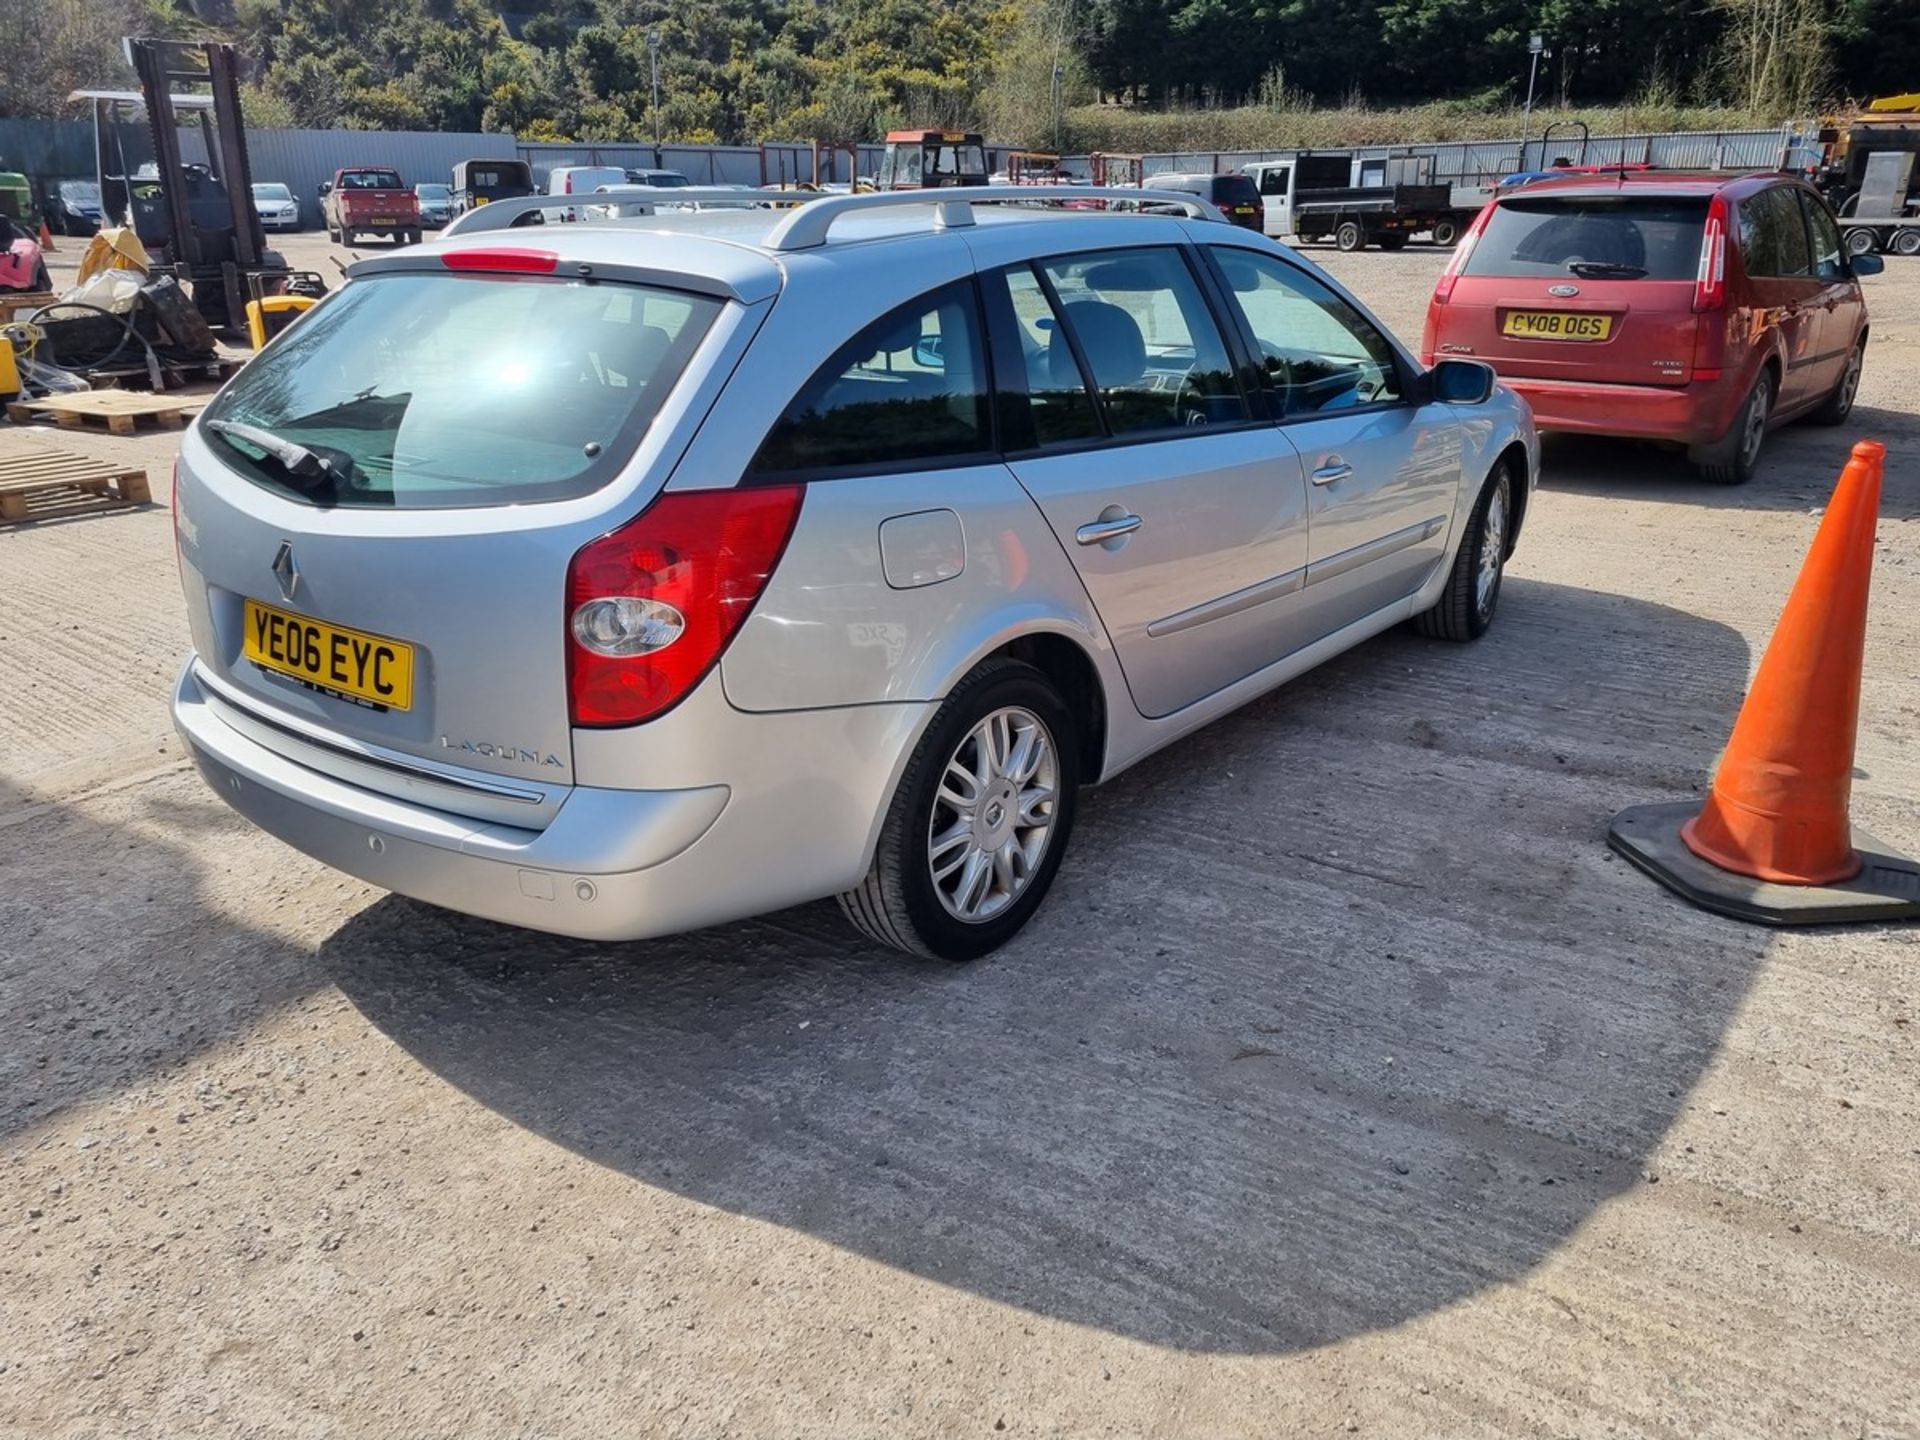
651,606
1710,280
1443,288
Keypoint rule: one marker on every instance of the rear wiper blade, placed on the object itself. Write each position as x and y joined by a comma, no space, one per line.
1605,270
296,459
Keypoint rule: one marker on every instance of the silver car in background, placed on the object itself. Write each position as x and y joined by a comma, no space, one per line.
276,206
619,578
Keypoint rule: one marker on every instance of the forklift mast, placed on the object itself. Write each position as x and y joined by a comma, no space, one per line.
159,64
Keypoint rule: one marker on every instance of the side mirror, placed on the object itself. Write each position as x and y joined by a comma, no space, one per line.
1462,382
1866,265
326,186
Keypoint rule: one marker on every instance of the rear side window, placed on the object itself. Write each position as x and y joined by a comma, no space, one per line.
1610,237
1138,330
910,389
1234,190
438,390
1773,234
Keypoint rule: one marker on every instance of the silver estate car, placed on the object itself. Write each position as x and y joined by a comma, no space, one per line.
619,578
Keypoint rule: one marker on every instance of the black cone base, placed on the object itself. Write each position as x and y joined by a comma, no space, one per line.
1887,887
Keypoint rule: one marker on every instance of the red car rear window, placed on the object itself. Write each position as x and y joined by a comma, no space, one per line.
1623,237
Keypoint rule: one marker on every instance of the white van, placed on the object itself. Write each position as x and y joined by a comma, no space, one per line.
582,180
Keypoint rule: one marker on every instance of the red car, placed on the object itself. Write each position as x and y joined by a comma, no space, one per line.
1699,310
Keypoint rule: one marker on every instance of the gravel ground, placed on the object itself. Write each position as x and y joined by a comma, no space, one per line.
1346,1085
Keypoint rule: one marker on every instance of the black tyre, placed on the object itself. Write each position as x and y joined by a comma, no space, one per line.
1392,242
1446,232
1733,458
1860,241
1349,236
1905,242
980,820
1839,404
1466,607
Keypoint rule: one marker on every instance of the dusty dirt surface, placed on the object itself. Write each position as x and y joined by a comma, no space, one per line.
1347,1084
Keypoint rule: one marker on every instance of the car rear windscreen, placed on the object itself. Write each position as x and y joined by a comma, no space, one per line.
1235,190
1632,237
432,390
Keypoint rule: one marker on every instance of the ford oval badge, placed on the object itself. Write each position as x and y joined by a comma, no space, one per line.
1563,290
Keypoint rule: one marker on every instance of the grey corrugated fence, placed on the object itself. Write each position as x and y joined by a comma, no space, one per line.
302,159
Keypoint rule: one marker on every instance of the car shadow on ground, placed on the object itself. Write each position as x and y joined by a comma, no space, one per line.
1340,1013
1798,469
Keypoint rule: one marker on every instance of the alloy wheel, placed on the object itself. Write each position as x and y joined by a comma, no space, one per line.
1493,544
993,814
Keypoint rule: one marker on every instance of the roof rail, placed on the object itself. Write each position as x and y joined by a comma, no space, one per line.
813,213
630,199
806,228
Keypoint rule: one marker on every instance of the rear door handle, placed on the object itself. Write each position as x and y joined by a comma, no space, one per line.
1335,470
1099,531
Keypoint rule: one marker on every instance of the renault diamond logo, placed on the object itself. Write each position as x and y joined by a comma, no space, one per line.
285,571
1563,290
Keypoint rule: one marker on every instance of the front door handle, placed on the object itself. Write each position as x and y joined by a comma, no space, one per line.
1335,470
1098,532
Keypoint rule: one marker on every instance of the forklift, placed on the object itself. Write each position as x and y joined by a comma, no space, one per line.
197,221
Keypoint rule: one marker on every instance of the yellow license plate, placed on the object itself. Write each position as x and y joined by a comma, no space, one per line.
383,220
370,669
1556,325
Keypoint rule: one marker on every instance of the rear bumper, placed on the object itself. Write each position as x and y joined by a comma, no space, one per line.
554,879
1683,414
796,822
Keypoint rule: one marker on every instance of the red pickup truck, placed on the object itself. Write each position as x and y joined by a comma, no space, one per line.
369,199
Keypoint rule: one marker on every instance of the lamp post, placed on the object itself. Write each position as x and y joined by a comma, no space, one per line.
1536,47
653,50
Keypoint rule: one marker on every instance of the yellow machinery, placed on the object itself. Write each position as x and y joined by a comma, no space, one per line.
272,310
9,368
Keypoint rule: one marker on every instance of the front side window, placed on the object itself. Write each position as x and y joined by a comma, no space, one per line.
437,390
1274,181
1144,341
1773,235
909,390
1318,353
1829,257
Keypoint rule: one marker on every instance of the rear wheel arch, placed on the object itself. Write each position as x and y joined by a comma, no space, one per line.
1067,664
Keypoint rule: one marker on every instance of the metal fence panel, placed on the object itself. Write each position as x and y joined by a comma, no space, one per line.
47,149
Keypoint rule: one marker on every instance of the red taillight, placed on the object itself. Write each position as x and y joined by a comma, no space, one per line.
651,606
506,257
1710,279
1443,288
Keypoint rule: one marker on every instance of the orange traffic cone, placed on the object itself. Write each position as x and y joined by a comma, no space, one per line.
1774,841
46,238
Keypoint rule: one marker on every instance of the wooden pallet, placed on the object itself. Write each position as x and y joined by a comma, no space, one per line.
14,302
118,411
45,484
